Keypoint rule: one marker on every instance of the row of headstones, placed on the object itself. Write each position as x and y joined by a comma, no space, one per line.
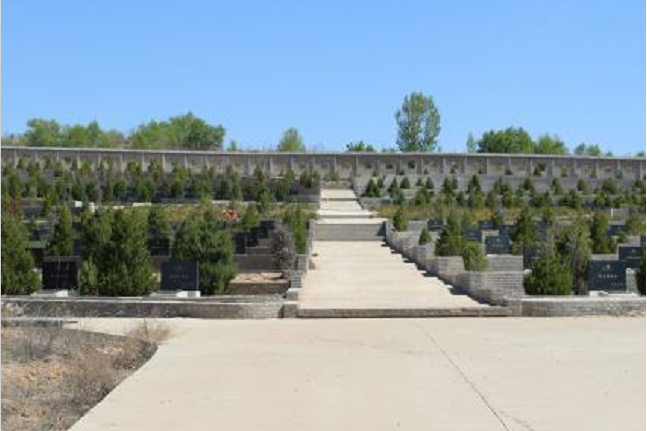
607,274
161,246
501,243
61,273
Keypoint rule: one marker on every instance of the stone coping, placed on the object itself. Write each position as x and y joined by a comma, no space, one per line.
323,153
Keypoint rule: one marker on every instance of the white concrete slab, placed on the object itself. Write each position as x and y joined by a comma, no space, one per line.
396,374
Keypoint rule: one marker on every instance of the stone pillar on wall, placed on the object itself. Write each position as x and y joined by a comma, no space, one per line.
78,158
509,167
464,167
551,167
122,168
163,162
441,165
574,168
530,166
420,162
334,164
186,161
270,170
143,162
99,159
487,165
356,167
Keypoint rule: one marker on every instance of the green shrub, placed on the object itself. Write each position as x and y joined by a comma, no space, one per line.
602,243
451,241
18,276
122,259
380,183
88,278
549,276
582,186
425,238
422,197
523,233
429,184
574,249
372,190
400,220
404,184
250,218
61,242
473,257
203,238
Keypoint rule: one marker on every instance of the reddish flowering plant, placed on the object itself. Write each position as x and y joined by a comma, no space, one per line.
229,216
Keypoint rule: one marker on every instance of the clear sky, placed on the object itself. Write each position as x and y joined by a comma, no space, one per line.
335,70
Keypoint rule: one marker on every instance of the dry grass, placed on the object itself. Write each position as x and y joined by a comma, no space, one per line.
151,331
53,376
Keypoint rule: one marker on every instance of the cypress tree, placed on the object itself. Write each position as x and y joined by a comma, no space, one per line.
602,242
18,277
61,242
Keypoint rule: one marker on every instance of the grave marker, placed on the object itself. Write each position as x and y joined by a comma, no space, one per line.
530,255
631,256
434,225
60,274
473,235
486,225
506,229
159,246
616,229
180,275
499,244
607,275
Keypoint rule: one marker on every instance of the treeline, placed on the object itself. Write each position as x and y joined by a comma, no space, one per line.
182,132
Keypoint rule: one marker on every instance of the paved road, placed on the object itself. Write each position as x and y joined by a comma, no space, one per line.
396,374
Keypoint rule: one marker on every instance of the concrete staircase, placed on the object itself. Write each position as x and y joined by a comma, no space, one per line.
356,275
341,218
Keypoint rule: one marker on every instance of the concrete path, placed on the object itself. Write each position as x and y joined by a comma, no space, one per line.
441,374
341,207
368,275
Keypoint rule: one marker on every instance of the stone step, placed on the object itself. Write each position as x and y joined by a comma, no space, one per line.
349,232
366,313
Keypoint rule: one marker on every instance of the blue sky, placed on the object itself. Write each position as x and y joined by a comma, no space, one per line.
335,70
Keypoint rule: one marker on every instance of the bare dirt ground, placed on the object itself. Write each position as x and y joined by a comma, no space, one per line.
53,376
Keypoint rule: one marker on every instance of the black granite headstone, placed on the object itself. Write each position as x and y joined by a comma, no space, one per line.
642,242
616,229
631,256
434,225
499,244
32,212
159,246
79,247
265,227
473,235
506,229
486,225
530,255
607,275
180,275
240,242
252,237
60,274
541,231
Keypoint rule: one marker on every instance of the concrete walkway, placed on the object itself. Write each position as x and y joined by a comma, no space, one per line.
459,374
368,275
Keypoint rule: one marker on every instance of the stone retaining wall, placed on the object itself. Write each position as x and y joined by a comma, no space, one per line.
578,306
206,308
511,167
504,262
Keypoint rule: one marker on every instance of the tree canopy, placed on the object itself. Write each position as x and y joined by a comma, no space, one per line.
359,147
182,131
291,141
418,123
